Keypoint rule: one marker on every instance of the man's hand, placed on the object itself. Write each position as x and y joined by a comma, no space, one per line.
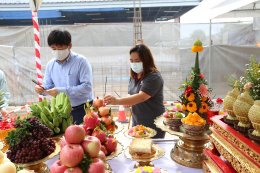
53,92
39,89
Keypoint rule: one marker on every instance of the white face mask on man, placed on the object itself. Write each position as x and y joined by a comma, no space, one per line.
61,54
137,67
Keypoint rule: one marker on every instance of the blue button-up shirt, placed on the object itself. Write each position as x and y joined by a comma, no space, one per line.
73,76
4,89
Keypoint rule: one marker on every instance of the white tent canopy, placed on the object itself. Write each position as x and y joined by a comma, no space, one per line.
210,9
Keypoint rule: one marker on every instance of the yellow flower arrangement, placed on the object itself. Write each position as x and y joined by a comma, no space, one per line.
191,97
195,97
191,106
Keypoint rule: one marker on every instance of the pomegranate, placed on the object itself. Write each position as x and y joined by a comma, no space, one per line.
74,134
71,155
100,134
73,170
91,145
57,167
97,166
103,111
98,103
107,120
111,144
91,120
111,128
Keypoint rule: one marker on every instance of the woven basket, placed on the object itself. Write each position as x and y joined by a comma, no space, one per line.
241,107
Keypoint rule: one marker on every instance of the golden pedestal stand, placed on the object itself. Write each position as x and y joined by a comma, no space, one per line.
188,150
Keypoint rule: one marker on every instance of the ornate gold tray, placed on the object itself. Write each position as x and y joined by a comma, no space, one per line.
160,124
119,149
150,135
159,152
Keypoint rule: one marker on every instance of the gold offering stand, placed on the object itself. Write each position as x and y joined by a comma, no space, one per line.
188,150
39,166
159,152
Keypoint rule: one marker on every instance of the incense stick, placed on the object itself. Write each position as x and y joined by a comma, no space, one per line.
117,94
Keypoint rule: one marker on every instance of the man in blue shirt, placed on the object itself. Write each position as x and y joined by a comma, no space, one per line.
6,94
67,72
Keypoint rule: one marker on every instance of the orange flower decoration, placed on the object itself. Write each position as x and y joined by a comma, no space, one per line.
197,47
191,106
191,97
204,107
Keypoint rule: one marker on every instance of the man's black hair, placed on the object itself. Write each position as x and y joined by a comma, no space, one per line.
58,37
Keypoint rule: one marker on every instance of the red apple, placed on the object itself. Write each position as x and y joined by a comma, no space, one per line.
98,103
91,145
75,134
102,156
63,142
57,167
71,155
73,170
97,166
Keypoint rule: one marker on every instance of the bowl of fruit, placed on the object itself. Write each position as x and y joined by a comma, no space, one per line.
173,119
193,124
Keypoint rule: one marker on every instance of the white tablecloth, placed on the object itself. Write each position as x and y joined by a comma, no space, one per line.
121,164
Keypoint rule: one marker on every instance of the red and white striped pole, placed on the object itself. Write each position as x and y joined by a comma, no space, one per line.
35,4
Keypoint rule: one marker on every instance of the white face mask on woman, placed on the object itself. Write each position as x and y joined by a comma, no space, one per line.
61,54
137,67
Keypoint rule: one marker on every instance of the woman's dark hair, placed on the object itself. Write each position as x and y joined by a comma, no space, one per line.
59,37
146,57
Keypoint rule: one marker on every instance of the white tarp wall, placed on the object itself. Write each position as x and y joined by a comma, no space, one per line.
107,48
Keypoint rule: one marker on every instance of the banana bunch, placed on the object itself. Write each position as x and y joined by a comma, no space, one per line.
54,114
2,99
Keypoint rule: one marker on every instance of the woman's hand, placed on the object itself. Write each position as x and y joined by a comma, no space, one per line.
110,100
